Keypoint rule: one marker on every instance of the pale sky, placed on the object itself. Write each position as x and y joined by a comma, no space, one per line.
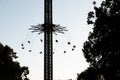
16,16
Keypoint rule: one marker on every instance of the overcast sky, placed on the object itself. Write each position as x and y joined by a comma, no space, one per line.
16,16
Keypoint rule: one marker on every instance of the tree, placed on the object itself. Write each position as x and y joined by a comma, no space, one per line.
10,69
89,74
102,50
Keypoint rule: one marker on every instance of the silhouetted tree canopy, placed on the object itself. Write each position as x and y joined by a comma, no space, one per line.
9,68
89,74
102,50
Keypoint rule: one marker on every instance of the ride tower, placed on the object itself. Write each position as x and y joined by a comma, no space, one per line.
48,46
48,28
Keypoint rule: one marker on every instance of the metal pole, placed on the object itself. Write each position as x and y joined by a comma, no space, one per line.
48,28
48,47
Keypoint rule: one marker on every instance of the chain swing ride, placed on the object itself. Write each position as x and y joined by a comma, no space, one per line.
48,28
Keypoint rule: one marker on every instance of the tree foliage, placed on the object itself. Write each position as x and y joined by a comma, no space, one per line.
102,50
89,74
10,69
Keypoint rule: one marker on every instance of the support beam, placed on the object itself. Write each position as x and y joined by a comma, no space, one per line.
48,47
48,28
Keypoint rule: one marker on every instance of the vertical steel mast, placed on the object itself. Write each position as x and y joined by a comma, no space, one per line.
48,28
48,51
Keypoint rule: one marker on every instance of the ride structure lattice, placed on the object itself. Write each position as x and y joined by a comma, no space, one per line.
48,28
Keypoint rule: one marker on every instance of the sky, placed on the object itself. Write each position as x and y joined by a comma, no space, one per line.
16,16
